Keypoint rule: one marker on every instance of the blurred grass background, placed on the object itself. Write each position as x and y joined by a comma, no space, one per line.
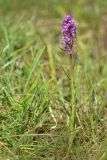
34,90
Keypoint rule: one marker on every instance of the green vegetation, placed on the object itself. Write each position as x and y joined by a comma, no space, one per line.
34,87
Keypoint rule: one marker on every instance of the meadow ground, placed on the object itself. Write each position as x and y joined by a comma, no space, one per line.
34,87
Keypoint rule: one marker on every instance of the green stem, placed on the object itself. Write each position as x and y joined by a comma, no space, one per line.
71,106
72,101
72,94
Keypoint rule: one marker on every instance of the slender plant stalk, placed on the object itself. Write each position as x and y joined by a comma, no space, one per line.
71,105
72,94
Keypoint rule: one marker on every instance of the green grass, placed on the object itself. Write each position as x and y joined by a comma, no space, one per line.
34,85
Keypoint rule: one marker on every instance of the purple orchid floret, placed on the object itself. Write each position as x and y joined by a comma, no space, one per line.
68,32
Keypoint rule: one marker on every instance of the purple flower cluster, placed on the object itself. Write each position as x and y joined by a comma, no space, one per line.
68,32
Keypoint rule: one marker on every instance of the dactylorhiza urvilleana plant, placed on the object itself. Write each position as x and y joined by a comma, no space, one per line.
68,43
68,32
